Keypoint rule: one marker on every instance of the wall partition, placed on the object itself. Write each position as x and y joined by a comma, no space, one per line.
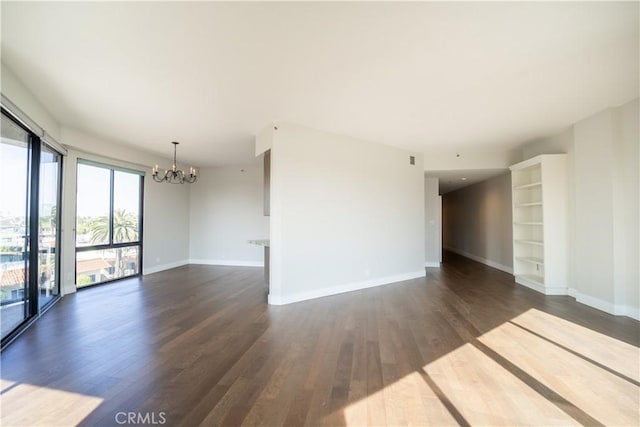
29,226
108,223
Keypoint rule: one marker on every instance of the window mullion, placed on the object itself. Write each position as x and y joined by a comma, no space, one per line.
122,252
111,207
34,215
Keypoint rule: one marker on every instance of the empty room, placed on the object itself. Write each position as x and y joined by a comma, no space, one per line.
319,213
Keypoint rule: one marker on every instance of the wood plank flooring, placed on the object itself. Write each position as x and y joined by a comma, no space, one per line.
198,345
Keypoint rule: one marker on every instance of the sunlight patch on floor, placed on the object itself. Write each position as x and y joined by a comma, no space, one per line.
408,401
620,356
30,405
475,388
603,395
487,394
536,369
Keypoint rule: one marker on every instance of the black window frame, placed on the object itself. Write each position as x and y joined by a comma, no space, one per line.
105,246
32,209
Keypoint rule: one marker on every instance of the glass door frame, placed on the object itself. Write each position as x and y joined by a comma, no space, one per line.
32,227
58,220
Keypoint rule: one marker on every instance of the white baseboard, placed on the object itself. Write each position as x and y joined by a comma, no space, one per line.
608,307
597,303
529,284
555,291
547,290
348,287
235,263
632,312
162,267
594,302
432,264
484,261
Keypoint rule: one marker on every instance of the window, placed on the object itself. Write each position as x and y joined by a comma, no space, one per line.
108,223
50,173
29,226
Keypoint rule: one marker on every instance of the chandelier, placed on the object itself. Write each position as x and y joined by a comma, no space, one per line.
174,175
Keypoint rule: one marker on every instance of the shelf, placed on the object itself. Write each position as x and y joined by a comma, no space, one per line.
539,280
531,260
539,194
529,204
530,242
533,184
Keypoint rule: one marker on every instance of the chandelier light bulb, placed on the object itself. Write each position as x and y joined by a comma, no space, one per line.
175,175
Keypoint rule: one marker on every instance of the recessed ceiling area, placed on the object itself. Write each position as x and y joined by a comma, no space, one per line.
424,76
451,180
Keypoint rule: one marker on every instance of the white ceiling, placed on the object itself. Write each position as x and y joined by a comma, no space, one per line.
451,180
423,76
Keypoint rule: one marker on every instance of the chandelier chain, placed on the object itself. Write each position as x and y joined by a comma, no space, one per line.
175,175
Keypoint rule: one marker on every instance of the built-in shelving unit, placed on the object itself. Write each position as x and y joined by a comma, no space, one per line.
532,260
531,185
522,205
539,194
531,242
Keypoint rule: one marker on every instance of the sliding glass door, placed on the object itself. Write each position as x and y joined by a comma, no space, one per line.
29,226
108,223
49,195
14,225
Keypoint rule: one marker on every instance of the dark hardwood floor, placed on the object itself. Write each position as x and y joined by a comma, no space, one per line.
198,345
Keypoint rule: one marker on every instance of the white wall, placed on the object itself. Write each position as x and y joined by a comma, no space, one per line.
448,159
345,214
627,219
561,143
603,163
17,93
226,211
605,182
166,206
593,193
433,223
264,139
477,222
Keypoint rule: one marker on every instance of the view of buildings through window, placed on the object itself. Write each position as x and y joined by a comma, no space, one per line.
17,151
14,155
107,224
48,189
